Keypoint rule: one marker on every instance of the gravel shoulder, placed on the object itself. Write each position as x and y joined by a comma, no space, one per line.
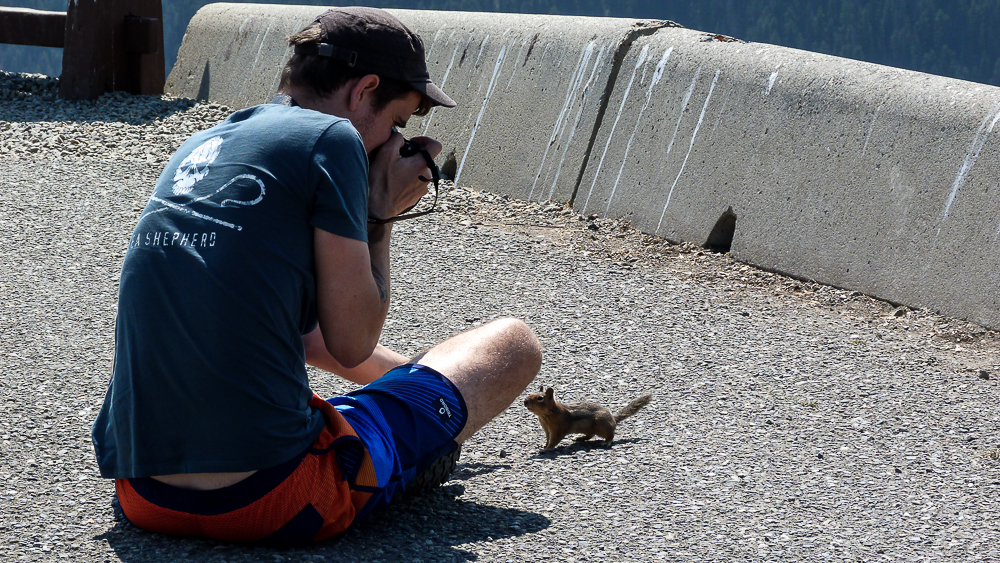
790,421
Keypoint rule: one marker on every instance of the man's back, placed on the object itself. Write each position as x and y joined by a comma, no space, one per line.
217,289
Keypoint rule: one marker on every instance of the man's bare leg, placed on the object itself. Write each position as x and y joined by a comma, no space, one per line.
490,365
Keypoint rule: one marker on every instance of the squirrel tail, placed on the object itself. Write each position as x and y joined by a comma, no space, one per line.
633,407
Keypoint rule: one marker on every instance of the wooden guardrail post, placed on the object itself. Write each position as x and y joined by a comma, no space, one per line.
112,45
108,45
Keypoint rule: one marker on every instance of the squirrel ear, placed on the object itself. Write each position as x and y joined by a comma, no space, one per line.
549,393
541,388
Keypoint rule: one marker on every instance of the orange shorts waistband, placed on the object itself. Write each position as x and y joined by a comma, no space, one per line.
308,498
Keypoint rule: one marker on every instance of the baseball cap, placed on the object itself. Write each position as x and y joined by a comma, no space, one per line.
374,41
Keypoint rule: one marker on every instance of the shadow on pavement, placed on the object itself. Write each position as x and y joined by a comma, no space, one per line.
467,471
580,446
425,528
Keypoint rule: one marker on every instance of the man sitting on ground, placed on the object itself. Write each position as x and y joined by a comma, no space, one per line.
265,246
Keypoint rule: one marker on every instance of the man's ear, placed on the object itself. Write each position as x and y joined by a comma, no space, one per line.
361,90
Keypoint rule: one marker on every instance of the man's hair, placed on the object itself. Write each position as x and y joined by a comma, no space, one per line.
323,75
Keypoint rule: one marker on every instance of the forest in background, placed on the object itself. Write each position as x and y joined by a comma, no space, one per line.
945,37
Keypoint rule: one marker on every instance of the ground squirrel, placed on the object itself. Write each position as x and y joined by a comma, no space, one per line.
589,419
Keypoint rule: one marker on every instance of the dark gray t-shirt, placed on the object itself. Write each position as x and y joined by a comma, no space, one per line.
217,289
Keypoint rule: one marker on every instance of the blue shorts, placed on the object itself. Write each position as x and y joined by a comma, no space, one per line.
406,419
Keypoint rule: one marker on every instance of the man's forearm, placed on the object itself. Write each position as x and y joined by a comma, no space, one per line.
378,249
381,359
352,283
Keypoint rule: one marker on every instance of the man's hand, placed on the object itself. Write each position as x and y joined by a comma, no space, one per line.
394,183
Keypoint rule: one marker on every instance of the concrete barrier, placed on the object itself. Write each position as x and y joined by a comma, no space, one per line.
846,173
850,174
233,53
529,88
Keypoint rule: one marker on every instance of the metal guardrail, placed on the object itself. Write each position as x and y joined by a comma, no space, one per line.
108,45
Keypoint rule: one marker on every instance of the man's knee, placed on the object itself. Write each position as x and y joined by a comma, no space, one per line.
520,340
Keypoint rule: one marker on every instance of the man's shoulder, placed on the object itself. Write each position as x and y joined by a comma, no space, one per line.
295,117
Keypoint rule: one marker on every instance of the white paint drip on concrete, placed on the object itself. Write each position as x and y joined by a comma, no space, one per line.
560,126
506,32
576,122
690,147
277,80
644,69
722,110
545,51
770,82
600,164
434,41
481,49
684,105
259,49
871,128
444,80
971,156
657,75
482,110
516,66
473,75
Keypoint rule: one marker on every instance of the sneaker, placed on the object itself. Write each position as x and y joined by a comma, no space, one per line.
437,474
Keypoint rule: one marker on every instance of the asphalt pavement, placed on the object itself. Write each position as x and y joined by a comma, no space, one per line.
790,421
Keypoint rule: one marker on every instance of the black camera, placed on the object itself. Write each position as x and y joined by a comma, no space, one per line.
409,148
